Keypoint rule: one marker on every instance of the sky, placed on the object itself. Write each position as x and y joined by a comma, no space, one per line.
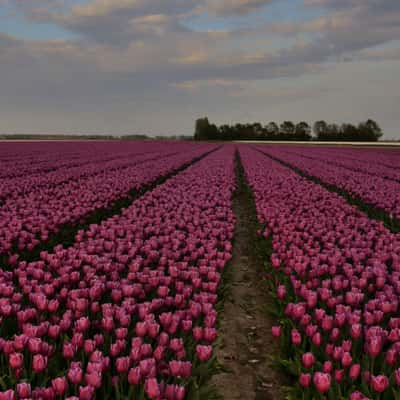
154,66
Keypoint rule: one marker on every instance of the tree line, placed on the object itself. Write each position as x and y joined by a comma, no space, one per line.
368,131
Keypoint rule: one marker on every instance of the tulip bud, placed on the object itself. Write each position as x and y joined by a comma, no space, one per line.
354,372
308,360
276,331
16,360
59,385
204,353
322,382
305,380
379,383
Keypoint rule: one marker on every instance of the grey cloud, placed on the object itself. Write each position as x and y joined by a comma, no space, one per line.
136,54
229,7
118,22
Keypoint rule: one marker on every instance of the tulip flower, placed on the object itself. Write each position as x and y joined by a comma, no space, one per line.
16,360
379,383
134,376
39,363
23,390
354,371
152,388
308,360
276,331
305,380
204,353
322,381
7,395
59,385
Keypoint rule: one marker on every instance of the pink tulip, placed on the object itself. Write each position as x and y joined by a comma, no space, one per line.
296,337
308,360
7,395
397,376
322,381
93,379
346,359
134,376
152,389
276,331
281,292
305,380
354,371
86,392
39,363
16,360
357,396
327,367
339,375
23,390
204,353
75,375
59,385
379,383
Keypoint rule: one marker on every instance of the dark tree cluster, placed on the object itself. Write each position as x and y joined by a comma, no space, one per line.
287,130
368,131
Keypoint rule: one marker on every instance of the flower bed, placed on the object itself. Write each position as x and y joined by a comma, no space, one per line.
375,191
336,275
128,311
29,219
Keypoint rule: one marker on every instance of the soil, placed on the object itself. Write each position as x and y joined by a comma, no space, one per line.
247,348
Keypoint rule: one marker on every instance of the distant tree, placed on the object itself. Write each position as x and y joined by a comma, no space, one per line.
303,131
370,130
320,129
225,132
201,128
258,131
348,133
333,132
287,130
212,132
271,131
367,131
205,131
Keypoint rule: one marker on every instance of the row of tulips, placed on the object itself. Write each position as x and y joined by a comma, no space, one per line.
375,191
336,275
72,169
19,159
353,161
388,157
28,219
128,311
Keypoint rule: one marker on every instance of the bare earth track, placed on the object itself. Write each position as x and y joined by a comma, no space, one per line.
246,345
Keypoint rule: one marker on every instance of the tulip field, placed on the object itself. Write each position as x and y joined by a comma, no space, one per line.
114,259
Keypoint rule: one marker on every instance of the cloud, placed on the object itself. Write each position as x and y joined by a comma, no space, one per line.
136,38
132,53
208,84
385,54
229,7
117,22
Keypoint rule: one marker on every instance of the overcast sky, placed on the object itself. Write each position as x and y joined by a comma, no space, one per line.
154,66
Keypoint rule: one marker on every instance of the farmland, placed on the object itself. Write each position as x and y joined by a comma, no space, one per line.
181,270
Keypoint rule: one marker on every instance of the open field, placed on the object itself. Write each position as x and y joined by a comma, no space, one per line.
204,271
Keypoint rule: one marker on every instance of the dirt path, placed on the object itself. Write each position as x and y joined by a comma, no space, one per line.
247,346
